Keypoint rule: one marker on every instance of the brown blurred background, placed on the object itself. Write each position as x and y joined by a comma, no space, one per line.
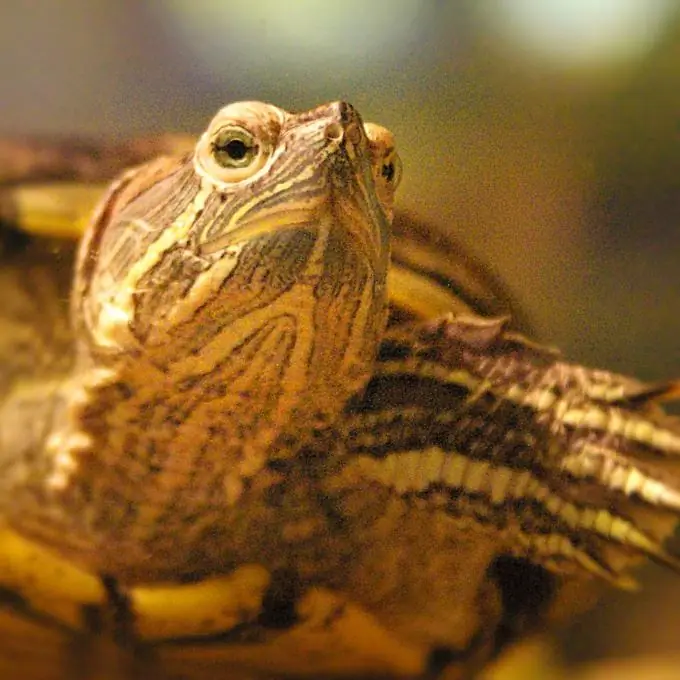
544,133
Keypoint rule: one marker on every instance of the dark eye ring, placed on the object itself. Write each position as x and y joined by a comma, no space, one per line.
388,171
234,147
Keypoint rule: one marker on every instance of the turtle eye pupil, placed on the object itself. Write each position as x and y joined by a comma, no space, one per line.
388,171
236,149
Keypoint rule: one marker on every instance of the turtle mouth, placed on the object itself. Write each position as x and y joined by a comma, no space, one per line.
262,225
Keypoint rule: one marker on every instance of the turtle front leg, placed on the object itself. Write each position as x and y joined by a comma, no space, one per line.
555,475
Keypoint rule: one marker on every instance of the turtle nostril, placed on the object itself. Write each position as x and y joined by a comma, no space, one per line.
334,132
347,112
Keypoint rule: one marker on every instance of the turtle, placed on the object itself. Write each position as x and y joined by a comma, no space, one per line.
254,426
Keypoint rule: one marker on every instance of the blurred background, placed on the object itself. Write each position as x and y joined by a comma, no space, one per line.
544,134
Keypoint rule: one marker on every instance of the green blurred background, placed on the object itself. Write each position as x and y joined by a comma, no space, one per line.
544,133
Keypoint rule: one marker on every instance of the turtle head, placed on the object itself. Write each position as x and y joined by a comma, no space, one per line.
268,244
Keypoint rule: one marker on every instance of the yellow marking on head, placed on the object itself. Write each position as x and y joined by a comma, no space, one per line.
360,326
205,285
241,229
112,328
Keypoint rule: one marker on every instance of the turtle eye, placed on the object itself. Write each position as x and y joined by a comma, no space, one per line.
385,163
384,157
390,170
234,147
232,153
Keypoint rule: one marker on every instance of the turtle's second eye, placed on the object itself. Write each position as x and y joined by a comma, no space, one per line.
234,147
388,171
391,169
